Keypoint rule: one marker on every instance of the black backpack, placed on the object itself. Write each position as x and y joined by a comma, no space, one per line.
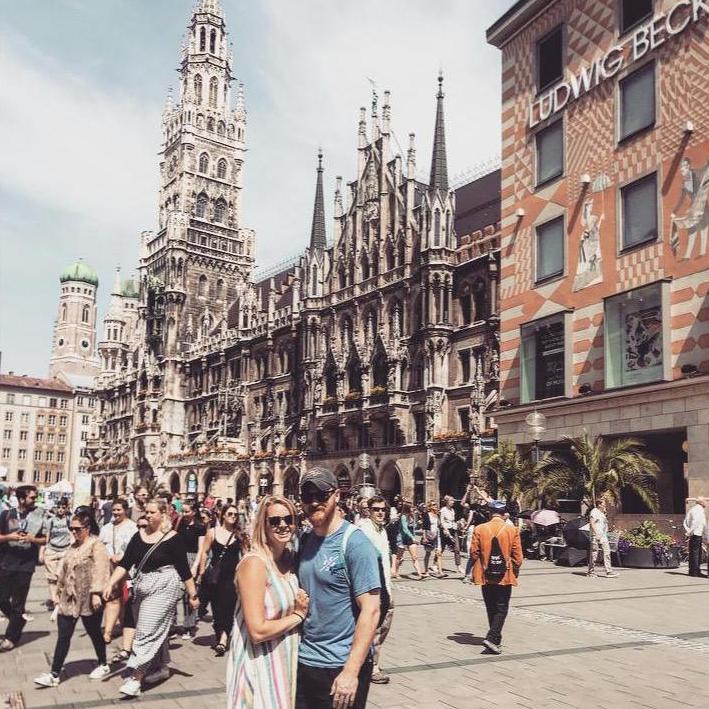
496,567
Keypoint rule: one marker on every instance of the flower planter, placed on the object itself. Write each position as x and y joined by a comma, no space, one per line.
638,558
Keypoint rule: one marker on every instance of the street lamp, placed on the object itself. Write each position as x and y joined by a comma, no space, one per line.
536,422
366,489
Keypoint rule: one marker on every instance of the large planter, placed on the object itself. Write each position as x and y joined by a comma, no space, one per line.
637,558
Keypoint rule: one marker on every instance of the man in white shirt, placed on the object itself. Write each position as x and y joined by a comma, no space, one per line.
449,531
373,526
695,524
599,538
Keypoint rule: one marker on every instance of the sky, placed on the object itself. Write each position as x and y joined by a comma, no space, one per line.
84,83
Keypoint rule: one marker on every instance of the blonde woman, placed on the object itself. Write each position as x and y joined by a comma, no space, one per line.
263,659
161,569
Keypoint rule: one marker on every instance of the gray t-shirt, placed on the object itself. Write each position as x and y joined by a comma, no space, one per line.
600,521
58,534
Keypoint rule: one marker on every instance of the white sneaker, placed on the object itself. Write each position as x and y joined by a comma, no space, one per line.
131,688
188,636
47,680
99,672
159,675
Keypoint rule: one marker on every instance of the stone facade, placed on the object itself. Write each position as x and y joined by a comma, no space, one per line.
383,342
602,330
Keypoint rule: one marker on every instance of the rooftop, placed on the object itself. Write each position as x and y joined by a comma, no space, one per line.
22,381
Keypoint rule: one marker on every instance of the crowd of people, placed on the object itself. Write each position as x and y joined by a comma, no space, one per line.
300,593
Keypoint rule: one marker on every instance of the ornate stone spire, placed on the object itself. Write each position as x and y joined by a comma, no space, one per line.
439,160
318,238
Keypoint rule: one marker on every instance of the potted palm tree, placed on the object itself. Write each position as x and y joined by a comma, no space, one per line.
512,473
594,468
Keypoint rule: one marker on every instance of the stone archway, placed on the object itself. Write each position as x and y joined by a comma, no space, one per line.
93,487
453,477
290,483
390,481
102,488
114,488
210,477
344,480
419,486
241,489
174,483
124,485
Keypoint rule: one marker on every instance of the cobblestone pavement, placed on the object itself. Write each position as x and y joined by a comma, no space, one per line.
640,640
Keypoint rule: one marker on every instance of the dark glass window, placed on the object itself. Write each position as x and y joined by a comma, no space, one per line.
550,249
550,152
550,65
639,205
637,101
633,12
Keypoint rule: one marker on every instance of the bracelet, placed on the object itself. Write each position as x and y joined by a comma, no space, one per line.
302,617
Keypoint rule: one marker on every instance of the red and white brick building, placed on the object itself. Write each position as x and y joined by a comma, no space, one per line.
604,260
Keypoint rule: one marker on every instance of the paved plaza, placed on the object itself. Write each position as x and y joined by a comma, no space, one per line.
640,640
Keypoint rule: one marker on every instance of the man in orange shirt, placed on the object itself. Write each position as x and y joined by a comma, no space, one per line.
496,551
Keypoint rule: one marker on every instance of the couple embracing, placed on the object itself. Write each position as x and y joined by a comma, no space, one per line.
305,619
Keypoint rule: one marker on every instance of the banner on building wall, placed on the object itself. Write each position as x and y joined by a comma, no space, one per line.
550,361
82,489
690,215
192,483
588,268
642,345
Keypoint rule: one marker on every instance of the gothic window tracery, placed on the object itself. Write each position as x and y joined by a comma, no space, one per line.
198,89
210,125
220,211
314,281
85,314
220,289
202,286
390,262
204,163
202,39
365,266
213,41
221,169
221,128
213,90
201,206
437,228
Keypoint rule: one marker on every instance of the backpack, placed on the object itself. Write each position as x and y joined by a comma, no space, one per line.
384,599
496,566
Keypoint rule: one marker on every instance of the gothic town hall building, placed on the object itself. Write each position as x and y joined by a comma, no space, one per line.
381,339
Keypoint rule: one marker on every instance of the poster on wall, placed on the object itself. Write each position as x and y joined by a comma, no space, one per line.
550,361
690,215
642,344
192,483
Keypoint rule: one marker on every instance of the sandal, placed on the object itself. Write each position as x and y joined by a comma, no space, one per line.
120,656
219,650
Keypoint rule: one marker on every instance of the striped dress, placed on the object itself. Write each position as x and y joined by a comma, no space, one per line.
263,675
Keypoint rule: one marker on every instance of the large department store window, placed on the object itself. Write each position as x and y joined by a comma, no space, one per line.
550,249
633,337
637,101
543,374
639,211
550,152
550,62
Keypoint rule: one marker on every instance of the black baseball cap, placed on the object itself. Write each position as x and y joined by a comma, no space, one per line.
322,478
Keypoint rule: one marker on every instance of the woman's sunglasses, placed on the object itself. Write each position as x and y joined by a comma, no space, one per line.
276,520
76,530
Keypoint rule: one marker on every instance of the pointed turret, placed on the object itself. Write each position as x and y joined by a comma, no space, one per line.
317,233
439,160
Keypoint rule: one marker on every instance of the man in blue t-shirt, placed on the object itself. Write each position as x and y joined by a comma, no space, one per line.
339,571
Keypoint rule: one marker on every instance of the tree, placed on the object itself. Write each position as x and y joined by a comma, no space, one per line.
512,472
594,468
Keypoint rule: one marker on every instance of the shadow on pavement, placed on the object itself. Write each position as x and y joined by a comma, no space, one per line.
29,636
465,639
204,641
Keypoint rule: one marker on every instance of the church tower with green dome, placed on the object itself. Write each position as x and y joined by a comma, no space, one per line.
73,357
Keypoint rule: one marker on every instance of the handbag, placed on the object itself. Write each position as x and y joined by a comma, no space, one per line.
213,571
138,575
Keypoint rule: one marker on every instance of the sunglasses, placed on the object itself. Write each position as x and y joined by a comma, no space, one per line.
276,520
315,496
142,526
377,509
76,530
230,514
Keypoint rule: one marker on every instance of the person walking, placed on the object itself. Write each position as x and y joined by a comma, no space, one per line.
226,544
496,551
22,532
58,541
140,497
598,523
116,535
430,524
405,541
449,531
192,531
695,524
374,527
263,657
81,578
161,568
339,570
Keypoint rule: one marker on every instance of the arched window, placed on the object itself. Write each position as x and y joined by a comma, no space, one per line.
221,169
402,252
221,128
202,39
210,125
64,312
365,266
220,289
390,263
220,210
202,202
448,230
203,162
85,314
342,275
480,299
198,88
202,286
437,228
466,303
213,41
213,88
314,281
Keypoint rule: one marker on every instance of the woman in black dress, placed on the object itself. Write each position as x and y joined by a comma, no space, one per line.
227,543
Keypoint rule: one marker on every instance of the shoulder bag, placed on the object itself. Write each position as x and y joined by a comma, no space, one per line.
213,571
